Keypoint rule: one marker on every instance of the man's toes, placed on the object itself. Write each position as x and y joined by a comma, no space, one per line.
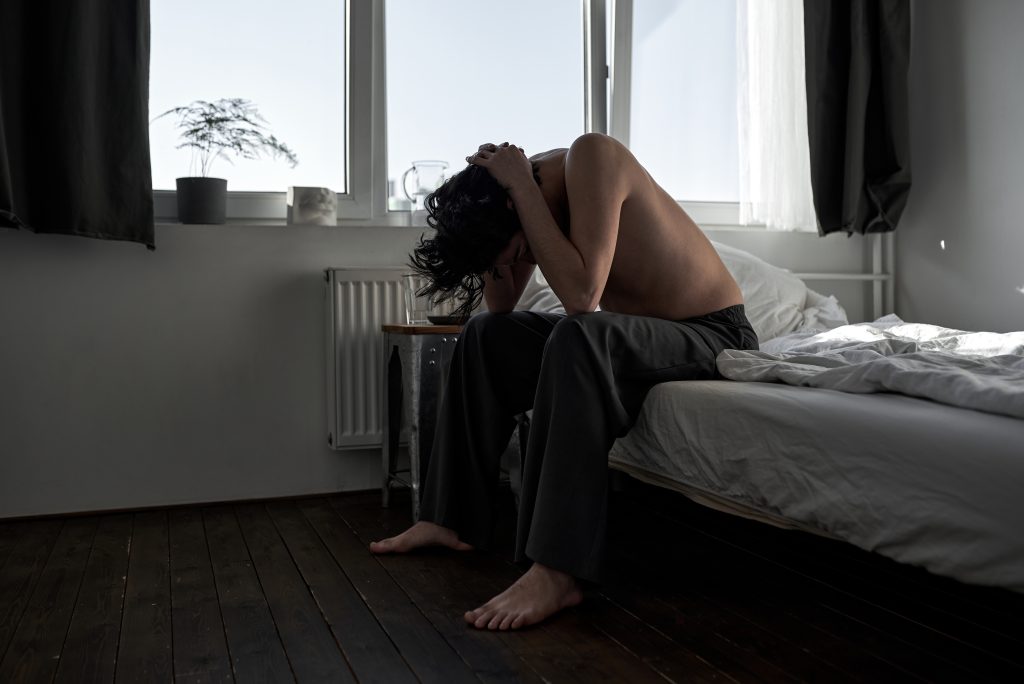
506,622
384,545
484,614
519,621
496,621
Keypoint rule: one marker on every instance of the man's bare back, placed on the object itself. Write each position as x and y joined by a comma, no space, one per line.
662,264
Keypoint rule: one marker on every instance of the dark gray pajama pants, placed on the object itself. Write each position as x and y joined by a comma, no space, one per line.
585,377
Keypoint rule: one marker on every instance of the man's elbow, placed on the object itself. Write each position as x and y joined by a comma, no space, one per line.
581,304
499,303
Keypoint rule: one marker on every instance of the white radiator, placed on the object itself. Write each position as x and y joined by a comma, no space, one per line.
358,302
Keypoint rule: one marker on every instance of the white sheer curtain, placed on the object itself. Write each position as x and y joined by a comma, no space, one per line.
775,173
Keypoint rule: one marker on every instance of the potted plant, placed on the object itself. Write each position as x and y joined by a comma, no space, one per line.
212,130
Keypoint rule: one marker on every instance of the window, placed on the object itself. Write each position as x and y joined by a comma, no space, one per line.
464,72
288,59
682,121
361,89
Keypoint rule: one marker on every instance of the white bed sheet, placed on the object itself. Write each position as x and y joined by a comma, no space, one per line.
975,370
917,481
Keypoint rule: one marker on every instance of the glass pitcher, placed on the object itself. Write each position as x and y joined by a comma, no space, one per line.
426,177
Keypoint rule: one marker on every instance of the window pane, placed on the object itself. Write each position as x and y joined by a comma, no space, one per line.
683,112
287,58
465,72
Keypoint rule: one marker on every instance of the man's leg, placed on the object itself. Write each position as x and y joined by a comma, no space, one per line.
493,377
598,369
596,372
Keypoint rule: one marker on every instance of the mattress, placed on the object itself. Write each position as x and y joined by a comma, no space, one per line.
920,482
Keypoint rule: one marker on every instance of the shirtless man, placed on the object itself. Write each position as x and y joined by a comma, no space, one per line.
603,233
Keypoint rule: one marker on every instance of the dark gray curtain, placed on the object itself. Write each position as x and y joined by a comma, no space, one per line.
74,118
857,56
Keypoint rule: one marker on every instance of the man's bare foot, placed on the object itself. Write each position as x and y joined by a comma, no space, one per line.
421,534
538,594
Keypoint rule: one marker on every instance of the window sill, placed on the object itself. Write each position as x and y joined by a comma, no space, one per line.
400,222
710,216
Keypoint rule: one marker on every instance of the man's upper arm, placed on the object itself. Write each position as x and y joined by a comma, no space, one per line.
596,187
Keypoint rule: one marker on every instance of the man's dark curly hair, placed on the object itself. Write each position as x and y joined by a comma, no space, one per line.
473,223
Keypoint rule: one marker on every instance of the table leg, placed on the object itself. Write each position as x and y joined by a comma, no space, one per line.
421,429
432,355
392,415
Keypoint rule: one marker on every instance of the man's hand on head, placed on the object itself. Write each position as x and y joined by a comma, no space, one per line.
506,163
491,147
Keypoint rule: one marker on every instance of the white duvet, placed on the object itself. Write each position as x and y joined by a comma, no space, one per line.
977,370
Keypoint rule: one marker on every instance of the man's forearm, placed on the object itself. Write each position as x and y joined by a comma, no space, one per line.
557,256
502,294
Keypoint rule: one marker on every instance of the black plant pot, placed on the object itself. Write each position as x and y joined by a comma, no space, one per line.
202,200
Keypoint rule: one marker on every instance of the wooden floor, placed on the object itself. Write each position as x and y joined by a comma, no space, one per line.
286,591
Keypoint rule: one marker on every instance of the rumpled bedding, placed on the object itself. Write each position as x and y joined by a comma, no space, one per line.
983,371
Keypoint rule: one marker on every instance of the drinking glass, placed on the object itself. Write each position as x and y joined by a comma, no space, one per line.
417,309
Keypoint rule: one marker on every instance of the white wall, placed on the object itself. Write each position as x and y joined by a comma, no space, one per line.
967,145
194,373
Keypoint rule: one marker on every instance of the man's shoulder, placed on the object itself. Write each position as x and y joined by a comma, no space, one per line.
597,158
595,143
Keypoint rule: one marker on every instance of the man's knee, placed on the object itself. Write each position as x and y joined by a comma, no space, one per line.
495,337
578,329
484,326
487,334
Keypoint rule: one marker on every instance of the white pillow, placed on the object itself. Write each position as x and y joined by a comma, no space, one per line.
776,301
538,296
822,313
773,297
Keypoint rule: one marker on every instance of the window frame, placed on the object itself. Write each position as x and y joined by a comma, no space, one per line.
607,84
259,208
619,103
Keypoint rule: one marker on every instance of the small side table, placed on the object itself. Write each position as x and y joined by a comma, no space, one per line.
416,360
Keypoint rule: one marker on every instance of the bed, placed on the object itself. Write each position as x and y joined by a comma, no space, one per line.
927,469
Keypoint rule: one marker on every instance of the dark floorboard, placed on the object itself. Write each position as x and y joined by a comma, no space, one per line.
144,643
254,645
286,590
200,651
39,636
307,638
89,651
